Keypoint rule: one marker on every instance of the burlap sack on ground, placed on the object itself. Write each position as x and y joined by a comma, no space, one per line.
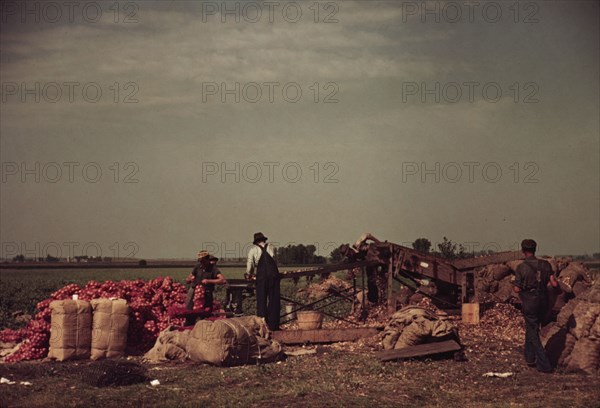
110,322
70,330
414,325
580,287
495,291
586,319
232,342
170,345
495,272
514,264
494,283
561,300
565,316
324,288
585,356
573,273
558,343
505,290
553,263
576,342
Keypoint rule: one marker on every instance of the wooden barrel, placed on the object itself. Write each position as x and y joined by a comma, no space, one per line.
470,313
309,320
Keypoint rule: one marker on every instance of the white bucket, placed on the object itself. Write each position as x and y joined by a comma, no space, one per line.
289,312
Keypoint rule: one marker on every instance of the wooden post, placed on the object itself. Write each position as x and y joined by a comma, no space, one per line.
391,302
363,309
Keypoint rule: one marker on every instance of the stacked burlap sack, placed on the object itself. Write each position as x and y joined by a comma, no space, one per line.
70,330
226,342
110,323
413,325
573,341
81,330
495,282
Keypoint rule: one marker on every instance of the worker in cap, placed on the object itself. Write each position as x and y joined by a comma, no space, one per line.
207,274
533,278
262,263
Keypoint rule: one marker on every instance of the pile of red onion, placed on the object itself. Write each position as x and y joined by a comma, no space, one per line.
149,302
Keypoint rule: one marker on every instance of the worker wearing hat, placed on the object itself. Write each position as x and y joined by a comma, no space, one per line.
532,279
261,262
207,274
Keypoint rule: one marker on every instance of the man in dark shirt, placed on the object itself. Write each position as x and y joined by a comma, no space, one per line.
207,274
532,279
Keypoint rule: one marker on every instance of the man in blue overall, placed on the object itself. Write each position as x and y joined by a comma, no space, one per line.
260,260
532,279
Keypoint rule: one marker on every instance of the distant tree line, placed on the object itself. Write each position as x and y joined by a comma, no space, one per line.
298,255
50,258
447,249
336,255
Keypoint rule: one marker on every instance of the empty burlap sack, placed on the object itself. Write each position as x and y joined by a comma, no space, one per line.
414,325
232,342
170,345
110,322
70,330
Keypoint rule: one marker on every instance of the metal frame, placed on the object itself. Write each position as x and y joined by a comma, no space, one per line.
342,295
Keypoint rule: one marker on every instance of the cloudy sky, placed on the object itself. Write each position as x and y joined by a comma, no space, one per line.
157,128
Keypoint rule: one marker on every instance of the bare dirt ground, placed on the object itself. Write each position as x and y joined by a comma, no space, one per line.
338,375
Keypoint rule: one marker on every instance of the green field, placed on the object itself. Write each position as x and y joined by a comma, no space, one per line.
84,275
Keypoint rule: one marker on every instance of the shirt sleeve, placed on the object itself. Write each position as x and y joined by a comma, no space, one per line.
250,262
520,276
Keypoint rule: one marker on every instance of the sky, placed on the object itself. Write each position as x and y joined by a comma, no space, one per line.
157,128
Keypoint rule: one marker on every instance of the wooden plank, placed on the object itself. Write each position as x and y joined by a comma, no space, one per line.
240,283
325,269
419,350
323,335
391,301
